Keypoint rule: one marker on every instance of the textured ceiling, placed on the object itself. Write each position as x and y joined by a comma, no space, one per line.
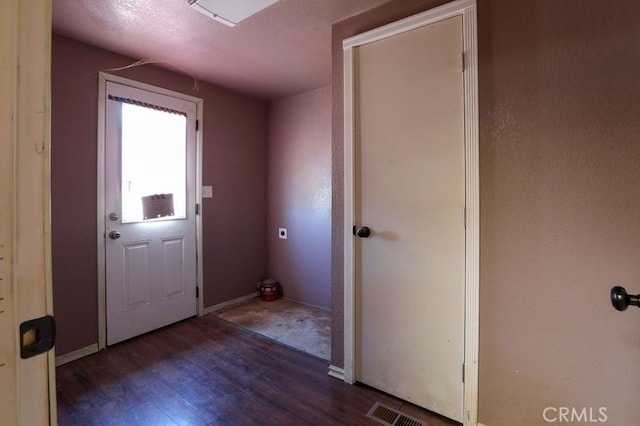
281,51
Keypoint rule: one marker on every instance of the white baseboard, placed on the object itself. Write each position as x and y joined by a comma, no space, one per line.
480,424
336,372
77,354
231,302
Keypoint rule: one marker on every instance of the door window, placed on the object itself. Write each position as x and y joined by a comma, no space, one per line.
153,175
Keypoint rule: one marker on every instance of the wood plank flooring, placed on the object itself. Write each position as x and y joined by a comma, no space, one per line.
204,371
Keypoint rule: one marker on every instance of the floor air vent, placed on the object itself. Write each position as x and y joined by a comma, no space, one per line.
390,417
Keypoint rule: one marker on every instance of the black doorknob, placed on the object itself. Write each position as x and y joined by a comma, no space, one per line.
621,300
363,232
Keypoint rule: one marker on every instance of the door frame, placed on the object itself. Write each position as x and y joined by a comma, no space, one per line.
26,292
103,77
466,9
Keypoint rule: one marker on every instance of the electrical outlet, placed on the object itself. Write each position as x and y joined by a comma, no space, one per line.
282,233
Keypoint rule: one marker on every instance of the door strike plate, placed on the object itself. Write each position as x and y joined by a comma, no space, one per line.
37,336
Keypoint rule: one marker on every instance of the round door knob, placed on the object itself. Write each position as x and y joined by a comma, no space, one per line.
363,232
114,235
621,300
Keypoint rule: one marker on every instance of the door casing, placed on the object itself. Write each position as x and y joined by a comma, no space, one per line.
26,292
102,279
466,9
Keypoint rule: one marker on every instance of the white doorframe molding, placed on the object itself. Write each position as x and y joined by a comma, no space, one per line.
466,9
102,278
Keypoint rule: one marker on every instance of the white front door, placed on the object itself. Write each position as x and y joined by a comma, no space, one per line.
410,192
150,210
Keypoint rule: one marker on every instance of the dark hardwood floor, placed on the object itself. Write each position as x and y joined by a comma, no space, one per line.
204,371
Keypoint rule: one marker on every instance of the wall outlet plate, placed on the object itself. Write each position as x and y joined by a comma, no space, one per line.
282,233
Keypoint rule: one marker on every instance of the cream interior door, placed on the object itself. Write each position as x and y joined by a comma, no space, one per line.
150,209
410,196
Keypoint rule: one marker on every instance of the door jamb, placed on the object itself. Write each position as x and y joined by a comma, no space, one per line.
103,77
26,291
466,9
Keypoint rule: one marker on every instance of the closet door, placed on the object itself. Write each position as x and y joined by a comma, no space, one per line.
410,199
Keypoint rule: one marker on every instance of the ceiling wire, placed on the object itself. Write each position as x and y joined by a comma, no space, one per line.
141,62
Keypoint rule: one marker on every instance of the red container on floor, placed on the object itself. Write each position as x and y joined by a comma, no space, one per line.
269,290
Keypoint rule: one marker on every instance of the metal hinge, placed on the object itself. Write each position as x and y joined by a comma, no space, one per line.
197,292
197,125
197,209
463,373
464,65
464,217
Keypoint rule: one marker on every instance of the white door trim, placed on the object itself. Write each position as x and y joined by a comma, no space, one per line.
467,9
102,279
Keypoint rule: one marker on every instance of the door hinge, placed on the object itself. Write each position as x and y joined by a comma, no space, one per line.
464,217
463,373
197,125
197,292
464,65
197,208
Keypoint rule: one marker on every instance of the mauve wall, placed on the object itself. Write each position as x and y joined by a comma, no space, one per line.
560,212
560,207
234,163
299,196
